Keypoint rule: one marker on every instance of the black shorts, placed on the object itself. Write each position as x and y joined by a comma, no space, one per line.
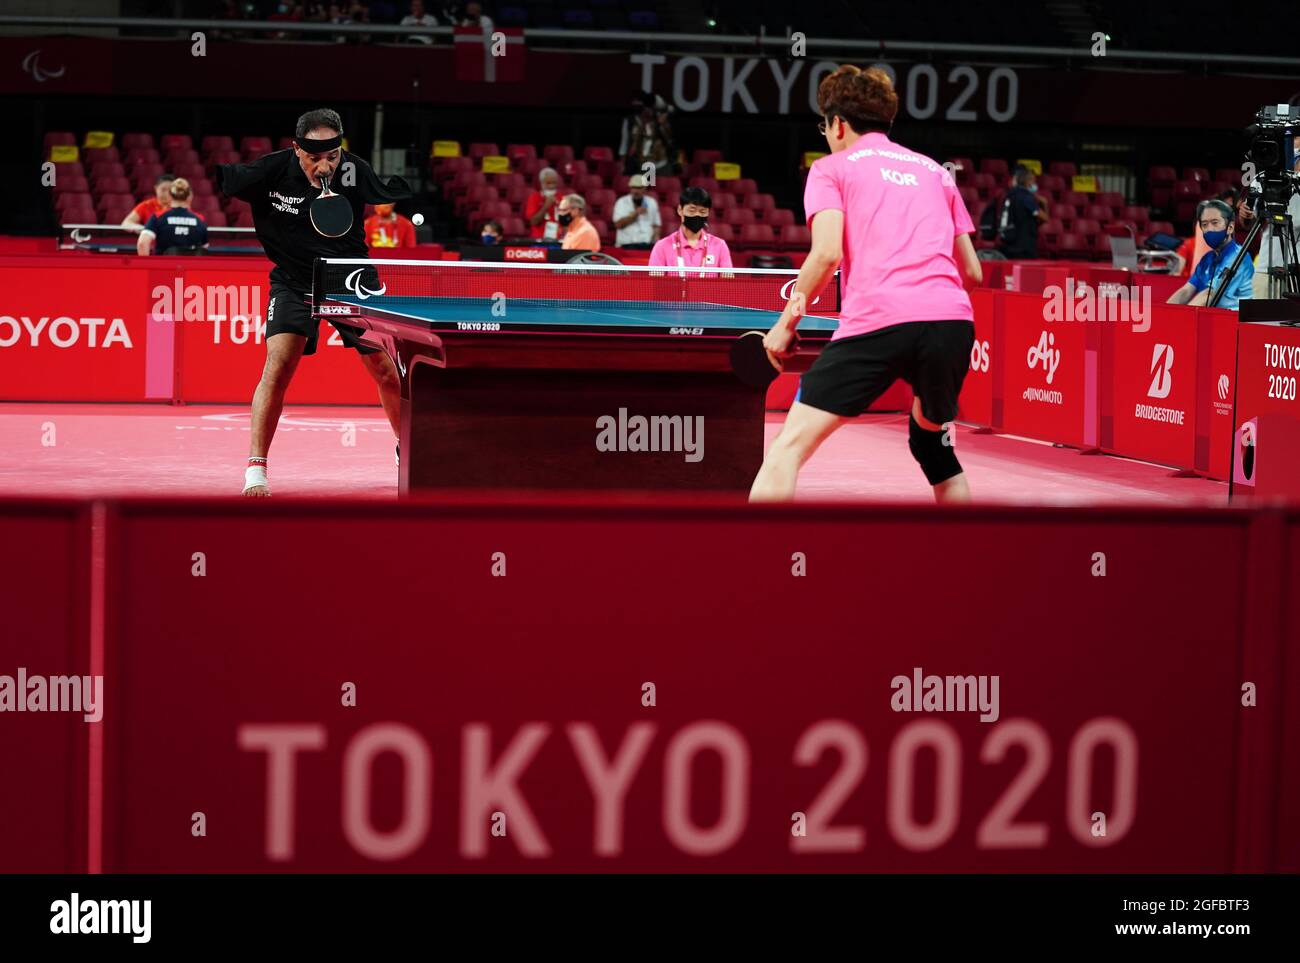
931,356
289,312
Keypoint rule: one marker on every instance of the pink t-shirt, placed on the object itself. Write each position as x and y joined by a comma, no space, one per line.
902,213
710,251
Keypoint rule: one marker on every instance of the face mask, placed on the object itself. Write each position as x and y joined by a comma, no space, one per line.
548,193
1214,238
694,223
565,219
1033,188
489,239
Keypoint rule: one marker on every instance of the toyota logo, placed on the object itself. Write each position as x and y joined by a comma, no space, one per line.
353,284
32,65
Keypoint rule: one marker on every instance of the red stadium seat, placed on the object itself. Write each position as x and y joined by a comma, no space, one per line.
1052,182
796,236
255,146
1110,199
1098,212
1066,169
706,157
243,219
724,231
741,185
71,184
779,217
760,202
59,137
112,185
585,183
520,150
1076,198
995,166
142,155
968,194
602,230
1199,174
1162,175
95,155
215,219
284,143
724,202
104,169
202,187
224,157
1071,244
757,235
1088,227
74,201
984,184
1065,213
594,155
191,172
173,141
557,154
114,201
1161,227
1049,238
136,140
1139,215
514,227
708,183
213,142
573,168
483,149
739,216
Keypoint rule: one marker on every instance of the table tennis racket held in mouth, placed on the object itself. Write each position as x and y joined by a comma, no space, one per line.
751,362
331,214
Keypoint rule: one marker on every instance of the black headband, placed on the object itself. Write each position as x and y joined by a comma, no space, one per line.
324,145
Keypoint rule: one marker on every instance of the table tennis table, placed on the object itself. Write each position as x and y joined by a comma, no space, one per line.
584,377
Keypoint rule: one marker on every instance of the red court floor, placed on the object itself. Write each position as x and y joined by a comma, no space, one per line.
106,450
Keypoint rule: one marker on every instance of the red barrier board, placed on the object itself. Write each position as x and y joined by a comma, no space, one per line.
612,689
44,583
975,404
1048,384
1288,799
221,355
78,333
1149,388
1266,446
1216,361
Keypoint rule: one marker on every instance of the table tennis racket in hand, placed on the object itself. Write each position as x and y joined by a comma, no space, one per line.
751,362
331,214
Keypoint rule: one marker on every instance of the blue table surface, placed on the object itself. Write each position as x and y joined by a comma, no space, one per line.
582,314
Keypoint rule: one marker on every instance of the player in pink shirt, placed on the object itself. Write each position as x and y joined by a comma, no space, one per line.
893,222
692,245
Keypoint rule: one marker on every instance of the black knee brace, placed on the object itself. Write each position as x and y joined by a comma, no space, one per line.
937,460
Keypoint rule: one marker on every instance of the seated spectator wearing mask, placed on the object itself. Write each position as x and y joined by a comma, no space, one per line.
1019,216
386,228
160,203
540,208
178,230
1215,220
491,233
636,217
692,245
579,233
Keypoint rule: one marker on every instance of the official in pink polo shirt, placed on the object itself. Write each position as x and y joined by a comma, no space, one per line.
692,245
893,222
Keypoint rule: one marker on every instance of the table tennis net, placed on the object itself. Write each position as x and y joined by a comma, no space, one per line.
381,282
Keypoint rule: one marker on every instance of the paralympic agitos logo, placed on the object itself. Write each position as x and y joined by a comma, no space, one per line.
32,65
353,284
787,290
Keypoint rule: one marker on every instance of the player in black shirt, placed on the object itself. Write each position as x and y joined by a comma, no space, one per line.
280,187
176,231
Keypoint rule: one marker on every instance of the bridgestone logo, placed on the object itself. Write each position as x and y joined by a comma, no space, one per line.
1044,395
1151,413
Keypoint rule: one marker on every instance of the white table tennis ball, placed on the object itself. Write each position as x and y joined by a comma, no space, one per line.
417,219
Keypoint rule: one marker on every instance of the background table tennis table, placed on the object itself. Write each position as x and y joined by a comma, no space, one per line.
508,394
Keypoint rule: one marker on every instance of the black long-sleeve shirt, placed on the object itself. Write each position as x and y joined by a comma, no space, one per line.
280,195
